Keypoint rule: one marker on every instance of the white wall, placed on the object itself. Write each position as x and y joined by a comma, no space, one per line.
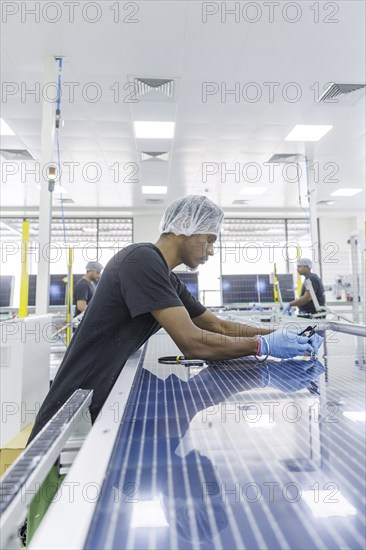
146,227
336,253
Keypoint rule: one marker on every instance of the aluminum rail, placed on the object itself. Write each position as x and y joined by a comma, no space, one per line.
77,513
352,328
22,480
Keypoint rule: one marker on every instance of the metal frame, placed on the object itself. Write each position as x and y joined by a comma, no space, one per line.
23,479
86,475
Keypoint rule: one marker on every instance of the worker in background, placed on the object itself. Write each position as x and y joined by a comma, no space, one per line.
305,303
139,293
85,288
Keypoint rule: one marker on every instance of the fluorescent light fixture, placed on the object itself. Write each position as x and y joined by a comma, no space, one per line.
154,189
252,190
355,416
346,192
5,129
322,505
308,132
154,129
148,513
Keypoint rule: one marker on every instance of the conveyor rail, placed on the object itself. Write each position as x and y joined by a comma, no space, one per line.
19,483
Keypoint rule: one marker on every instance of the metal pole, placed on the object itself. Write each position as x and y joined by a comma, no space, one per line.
355,289
312,198
299,281
24,282
45,205
69,297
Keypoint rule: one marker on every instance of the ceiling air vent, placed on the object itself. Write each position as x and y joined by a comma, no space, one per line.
154,201
287,158
334,90
16,154
152,155
158,85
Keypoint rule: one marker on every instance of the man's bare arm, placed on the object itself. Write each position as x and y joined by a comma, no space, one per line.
302,301
81,305
197,342
209,321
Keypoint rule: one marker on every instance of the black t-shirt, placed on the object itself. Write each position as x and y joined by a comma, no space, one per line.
116,323
84,290
319,292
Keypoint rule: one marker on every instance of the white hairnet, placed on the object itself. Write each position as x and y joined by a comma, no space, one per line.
90,266
192,215
305,262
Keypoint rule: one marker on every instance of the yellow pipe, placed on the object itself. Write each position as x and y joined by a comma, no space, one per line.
299,282
275,280
24,280
69,300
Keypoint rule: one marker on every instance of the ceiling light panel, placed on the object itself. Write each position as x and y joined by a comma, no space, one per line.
308,132
5,129
154,189
154,129
346,192
252,191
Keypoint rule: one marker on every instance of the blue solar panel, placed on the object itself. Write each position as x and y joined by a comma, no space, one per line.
6,287
237,455
239,288
255,288
286,282
265,289
32,287
57,289
190,280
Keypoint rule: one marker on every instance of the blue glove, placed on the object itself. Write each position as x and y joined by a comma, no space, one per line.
285,343
316,341
286,310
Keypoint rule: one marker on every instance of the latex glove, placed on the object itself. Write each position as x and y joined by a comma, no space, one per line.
316,341
285,343
286,310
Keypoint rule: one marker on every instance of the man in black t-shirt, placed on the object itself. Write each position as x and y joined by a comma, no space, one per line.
85,288
305,303
139,293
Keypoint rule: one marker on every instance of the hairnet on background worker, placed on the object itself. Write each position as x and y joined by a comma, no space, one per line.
91,266
306,262
192,215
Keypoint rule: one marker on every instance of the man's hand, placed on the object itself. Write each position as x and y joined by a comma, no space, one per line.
285,343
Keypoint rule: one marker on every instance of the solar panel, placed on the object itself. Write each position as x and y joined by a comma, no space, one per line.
286,282
6,290
239,288
265,289
227,457
190,280
57,288
255,288
32,287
